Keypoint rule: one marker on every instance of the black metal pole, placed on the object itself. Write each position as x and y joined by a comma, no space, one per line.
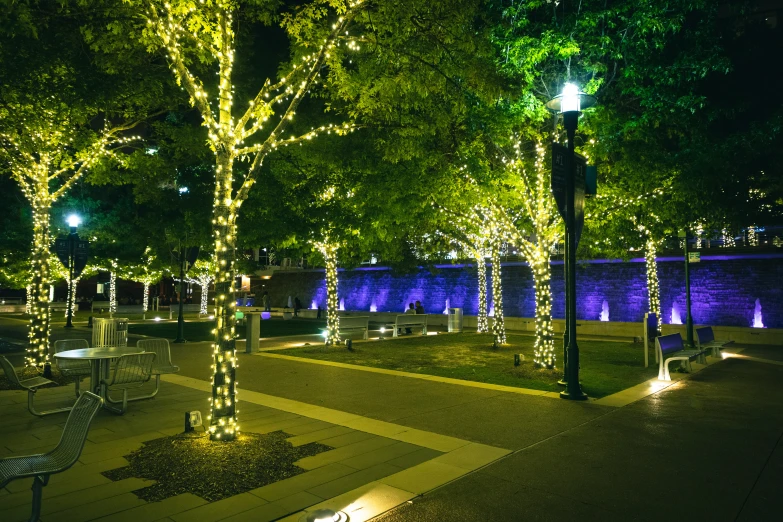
573,389
564,380
180,319
688,317
71,256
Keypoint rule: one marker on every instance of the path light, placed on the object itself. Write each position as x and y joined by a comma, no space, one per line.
324,515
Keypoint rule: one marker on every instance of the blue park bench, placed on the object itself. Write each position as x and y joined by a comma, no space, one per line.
670,348
705,340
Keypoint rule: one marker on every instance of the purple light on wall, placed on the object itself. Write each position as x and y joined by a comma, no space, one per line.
757,319
373,307
676,319
314,305
446,311
342,305
491,312
604,311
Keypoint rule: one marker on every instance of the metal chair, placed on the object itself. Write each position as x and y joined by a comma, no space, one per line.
71,367
162,364
131,371
59,459
31,385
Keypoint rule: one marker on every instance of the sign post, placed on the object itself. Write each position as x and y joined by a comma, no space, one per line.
561,161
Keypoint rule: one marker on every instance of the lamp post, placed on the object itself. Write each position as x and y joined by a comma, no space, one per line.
569,103
688,317
73,222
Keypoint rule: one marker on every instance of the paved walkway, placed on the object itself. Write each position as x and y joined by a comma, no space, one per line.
491,455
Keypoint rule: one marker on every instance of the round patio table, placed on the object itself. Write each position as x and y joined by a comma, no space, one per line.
100,362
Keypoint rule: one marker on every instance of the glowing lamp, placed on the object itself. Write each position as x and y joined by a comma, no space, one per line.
73,220
570,100
325,515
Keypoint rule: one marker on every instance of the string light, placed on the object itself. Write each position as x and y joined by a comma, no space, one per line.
653,290
728,239
482,324
329,252
210,29
498,321
42,152
753,238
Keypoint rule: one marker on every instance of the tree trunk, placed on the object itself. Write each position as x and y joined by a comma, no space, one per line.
498,323
482,325
112,292
544,348
72,297
332,299
146,302
653,290
223,418
204,296
38,334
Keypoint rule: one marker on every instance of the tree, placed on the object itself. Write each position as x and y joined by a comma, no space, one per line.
60,115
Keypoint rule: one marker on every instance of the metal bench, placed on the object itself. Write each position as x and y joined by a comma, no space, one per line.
59,459
705,340
670,348
162,363
410,321
71,367
131,371
354,323
31,385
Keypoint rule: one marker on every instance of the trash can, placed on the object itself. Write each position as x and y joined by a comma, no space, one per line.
253,331
455,320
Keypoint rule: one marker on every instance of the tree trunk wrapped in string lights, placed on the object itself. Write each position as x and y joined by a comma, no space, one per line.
185,28
40,316
498,321
653,290
43,161
482,324
538,210
113,288
329,252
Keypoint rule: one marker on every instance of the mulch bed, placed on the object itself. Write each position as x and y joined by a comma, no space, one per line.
212,470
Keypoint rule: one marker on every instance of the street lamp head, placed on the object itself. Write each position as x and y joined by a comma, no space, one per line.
570,100
183,190
73,220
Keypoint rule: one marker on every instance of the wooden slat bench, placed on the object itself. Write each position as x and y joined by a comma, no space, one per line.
670,348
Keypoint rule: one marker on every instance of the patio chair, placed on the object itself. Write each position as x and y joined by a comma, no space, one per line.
131,371
31,385
59,459
162,364
71,367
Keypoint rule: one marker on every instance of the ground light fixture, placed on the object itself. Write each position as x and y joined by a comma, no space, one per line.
324,515
569,104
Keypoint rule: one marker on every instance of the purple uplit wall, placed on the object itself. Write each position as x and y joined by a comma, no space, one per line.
723,290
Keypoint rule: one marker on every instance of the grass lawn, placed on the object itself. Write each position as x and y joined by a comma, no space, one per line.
606,367
200,330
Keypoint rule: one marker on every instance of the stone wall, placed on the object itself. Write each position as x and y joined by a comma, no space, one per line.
724,289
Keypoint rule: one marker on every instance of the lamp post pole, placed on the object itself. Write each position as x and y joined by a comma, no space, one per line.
72,237
688,317
569,103
573,389
180,317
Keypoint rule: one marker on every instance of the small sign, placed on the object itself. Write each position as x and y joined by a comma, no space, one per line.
694,257
560,165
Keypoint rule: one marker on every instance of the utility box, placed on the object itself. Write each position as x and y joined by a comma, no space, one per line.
253,330
455,320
